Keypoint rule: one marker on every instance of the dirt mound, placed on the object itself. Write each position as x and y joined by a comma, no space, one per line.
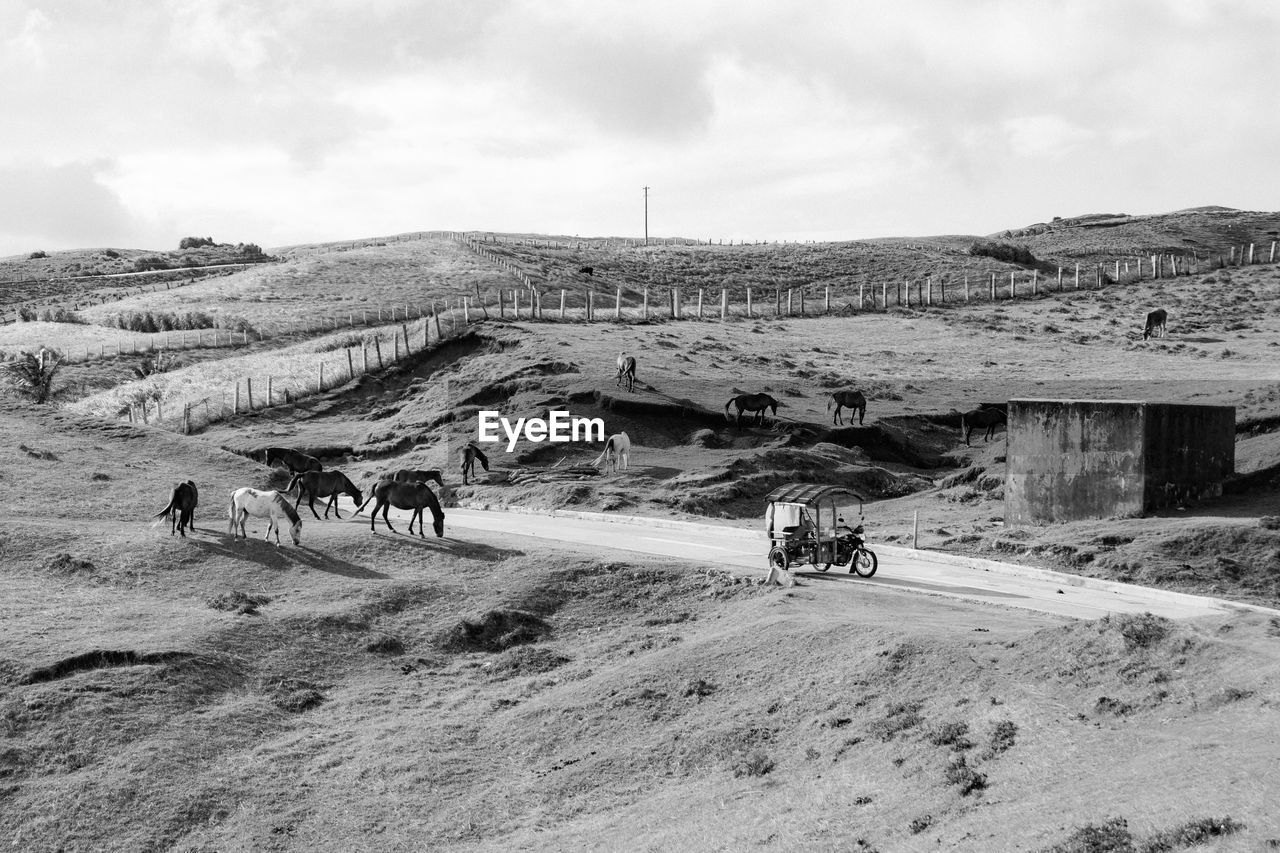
495,631
239,602
705,438
684,410
910,440
65,564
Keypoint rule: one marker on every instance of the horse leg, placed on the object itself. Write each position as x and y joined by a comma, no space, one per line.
333,504
385,508
417,513
862,413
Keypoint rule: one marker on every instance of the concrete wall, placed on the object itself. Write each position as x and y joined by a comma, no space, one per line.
1079,459
1073,459
1189,452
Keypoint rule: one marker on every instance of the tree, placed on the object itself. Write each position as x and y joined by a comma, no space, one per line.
32,374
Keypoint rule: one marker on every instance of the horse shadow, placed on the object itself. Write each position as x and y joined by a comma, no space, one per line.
451,545
283,557
1198,340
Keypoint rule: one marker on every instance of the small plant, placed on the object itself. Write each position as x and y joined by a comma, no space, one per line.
698,687
37,255
952,735
756,763
1003,737
920,824
1189,834
1141,630
959,773
32,375
1112,836
899,718
161,362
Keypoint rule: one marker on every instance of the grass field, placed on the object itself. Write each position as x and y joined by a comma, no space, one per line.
491,692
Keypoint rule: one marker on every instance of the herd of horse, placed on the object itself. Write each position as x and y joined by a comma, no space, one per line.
410,489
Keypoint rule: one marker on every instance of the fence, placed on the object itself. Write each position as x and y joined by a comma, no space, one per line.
252,393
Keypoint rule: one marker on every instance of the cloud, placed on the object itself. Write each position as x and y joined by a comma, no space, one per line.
59,207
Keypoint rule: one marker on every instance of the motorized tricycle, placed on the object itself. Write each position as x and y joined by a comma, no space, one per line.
806,524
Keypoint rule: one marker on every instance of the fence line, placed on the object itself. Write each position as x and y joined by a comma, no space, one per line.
330,370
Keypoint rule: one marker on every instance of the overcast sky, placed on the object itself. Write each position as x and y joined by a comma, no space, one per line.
133,124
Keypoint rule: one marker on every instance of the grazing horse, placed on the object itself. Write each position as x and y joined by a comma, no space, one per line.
1155,323
324,484
408,475
182,508
617,449
853,400
626,370
414,496
470,453
987,417
263,504
293,460
756,403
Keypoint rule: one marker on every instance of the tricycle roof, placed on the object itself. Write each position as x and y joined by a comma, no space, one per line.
809,493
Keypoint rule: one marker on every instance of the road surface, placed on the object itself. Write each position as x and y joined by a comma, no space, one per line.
900,568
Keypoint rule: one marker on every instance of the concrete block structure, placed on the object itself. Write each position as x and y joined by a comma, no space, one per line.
1077,459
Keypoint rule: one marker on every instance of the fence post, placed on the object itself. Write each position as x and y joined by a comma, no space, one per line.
749,309
617,304
942,290
1035,282
699,303
515,303
537,302
724,303
377,349
1117,272
502,305
320,385
777,302
466,313
826,301
269,395
186,419
862,302
364,357
675,303
1272,259
404,327
993,287
1077,276
789,294
644,303
235,409
439,334
884,296
248,391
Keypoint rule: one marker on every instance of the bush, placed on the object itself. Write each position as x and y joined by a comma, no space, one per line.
1003,736
150,262
1141,630
961,774
1006,252
27,314
59,315
195,242
757,763
111,253
1113,836
252,249
35,256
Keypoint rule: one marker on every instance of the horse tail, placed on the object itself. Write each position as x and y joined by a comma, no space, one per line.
297,478
726,408
830,402
608,445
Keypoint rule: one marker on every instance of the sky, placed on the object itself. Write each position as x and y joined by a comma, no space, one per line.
133,124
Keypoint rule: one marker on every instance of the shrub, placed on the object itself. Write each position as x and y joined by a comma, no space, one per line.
150,262
1113,836
756,763
961,774
951,734
32,374
195,242
252,249
35,256
27,314
59,315
1006,252
1189,834
111,253
1141,630
1003,736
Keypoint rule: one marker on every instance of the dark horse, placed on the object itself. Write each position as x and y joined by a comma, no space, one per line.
852,400
987,416
414,496
470,453
627,371
756,403
182,508
293,460
324,484
409,475
1155,323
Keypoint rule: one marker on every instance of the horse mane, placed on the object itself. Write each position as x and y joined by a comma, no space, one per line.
479,454
288,509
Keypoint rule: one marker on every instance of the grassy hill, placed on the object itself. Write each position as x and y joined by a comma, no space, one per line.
488,692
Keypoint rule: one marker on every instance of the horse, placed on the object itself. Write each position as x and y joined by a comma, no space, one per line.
987,417
293,460
182,508
263,504
414,496
324,484
617,449
408,475
853,400
752,403
1155,323
470,453
626,371
589,271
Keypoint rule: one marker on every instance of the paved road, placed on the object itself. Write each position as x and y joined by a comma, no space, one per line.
900,568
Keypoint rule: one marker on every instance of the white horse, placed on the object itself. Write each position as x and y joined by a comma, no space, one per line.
617,448
269,504
626,370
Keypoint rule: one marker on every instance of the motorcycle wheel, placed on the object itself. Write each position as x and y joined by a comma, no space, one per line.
778,558
865,563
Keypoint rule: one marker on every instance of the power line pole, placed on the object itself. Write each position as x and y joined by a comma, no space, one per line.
646,216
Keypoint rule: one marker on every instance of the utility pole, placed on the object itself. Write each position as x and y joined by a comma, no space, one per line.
646,216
